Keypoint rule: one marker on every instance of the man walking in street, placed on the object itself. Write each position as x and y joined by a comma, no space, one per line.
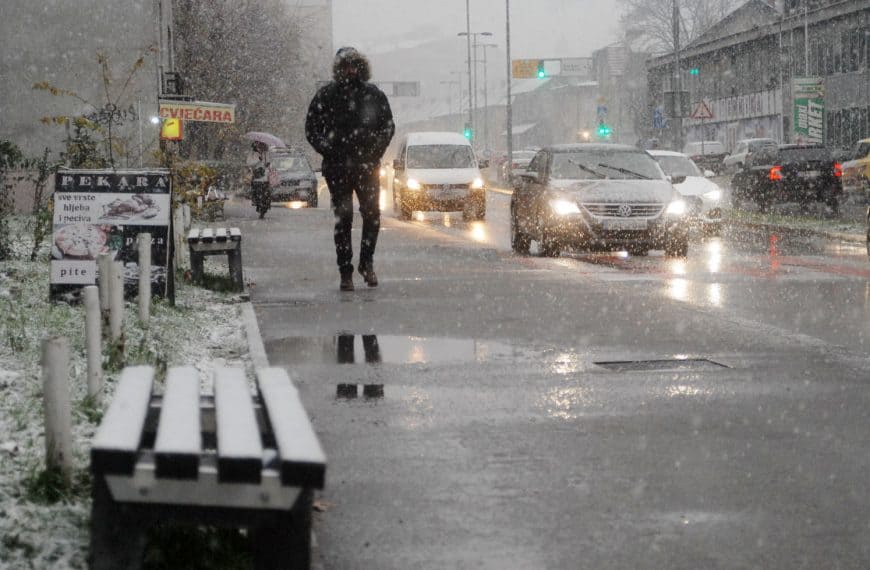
350,124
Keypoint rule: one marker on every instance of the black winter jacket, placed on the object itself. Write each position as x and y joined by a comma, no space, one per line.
350,124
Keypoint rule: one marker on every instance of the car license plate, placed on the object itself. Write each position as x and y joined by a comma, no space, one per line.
626,224
809,174
448,193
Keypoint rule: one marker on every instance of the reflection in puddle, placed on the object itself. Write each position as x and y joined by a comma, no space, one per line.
478,232
714,256
562,403
678,289
714,294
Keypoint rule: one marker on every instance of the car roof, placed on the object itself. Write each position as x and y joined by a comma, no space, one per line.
436,137
801,146
574,147
657,152
760,139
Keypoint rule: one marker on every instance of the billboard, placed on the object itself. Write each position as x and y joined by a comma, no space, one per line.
808,94
104,211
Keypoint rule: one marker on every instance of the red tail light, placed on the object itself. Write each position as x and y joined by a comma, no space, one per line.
838,170
776,173
515,165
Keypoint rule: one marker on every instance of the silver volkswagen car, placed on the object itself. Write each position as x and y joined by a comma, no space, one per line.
597,197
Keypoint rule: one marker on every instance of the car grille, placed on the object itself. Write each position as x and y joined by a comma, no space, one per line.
445,186
613,210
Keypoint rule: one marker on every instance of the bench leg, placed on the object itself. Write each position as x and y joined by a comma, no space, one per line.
196,267
235,262
288,543
117,541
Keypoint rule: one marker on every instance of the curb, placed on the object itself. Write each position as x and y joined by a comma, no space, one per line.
261,360
798,231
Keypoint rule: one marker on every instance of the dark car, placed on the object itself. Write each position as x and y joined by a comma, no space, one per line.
597,197
789,173
291,178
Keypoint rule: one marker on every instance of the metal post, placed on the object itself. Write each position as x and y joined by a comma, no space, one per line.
468,42
486,139
678,95
508,109
56,401
806,40
476,106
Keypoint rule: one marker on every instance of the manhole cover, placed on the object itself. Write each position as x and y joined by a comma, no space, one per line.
678,364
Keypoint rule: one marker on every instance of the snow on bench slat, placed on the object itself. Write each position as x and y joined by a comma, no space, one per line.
235,234
116,444
179,438
302,459
221,234
240,449
207,235
193,235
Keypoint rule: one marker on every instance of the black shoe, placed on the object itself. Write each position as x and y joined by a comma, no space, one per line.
346,282
369,276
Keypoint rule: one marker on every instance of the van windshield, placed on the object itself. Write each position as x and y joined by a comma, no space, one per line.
440,156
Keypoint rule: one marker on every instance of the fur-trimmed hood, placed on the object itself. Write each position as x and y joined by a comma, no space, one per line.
350,56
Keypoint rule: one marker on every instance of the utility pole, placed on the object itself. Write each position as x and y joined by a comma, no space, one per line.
508,109
468,44
486,144
678,95
472,81
450,85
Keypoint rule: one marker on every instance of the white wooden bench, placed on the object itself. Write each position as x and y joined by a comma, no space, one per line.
216,241
233,459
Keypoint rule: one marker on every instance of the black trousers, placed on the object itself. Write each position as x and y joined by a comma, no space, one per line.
342,184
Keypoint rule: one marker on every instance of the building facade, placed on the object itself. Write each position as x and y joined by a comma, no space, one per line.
744,68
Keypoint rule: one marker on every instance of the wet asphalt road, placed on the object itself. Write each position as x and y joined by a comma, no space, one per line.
590,411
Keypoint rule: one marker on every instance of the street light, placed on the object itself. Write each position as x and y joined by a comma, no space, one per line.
472,82
485,97
450,85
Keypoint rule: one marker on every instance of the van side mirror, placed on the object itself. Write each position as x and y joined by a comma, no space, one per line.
397,164
709,174
483,163
678,179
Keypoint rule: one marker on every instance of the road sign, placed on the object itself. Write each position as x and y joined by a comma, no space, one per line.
577,66
658,118
171,130
702,111
601,111
525,68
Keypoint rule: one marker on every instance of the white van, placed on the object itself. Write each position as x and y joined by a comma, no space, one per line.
437,171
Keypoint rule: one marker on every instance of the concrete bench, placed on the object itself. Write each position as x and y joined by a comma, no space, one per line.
216,241
233,459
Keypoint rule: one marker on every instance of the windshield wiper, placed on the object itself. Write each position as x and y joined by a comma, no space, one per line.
587,169
625,171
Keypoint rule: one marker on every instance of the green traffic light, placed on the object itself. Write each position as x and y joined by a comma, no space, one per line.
542,74
694,71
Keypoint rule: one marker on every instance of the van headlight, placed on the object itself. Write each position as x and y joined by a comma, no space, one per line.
414,184
564,207
713,195
676,208
477,184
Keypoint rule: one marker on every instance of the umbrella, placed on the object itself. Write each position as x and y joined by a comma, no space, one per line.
265,138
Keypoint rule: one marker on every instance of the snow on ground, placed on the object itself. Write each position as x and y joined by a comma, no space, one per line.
204,330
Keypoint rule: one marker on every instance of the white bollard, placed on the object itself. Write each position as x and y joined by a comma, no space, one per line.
116,300
58,418
93,341
104,263
144,278
179,236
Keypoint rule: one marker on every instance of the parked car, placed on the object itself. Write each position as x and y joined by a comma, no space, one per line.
438,171
597,197
789,173
856,171
291,177
734,161
703,196
518,165
706,154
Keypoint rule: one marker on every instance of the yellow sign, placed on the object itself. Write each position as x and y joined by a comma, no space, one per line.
524,68
171,130
198,111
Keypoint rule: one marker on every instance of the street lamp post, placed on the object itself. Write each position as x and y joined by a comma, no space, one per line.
485,97
450,85
508,108
472,78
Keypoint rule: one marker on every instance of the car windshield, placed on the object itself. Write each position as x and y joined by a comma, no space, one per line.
707,147
813,154
862,150
604,164
440,156
678,166
294,163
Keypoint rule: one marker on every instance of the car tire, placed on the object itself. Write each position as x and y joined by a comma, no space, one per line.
520,242
404,210
549,246
312,202
677,247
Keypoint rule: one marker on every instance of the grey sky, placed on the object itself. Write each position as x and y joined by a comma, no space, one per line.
539,28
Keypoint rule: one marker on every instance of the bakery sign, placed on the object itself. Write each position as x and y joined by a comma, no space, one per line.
197,111
102,212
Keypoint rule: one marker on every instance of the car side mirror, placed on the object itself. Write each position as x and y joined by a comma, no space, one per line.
483,163
709,174
678,179
397,164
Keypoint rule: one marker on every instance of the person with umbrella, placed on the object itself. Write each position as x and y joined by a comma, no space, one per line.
350,124
261,194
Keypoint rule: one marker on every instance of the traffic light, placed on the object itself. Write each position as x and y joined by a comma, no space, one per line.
694,71
468,132
604,131
542,73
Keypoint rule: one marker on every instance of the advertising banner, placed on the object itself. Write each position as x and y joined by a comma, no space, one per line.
204,111
809,109
103,211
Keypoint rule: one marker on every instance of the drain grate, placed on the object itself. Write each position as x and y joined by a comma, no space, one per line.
677,364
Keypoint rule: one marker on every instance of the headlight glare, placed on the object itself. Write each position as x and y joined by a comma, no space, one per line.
713,195
564,207
414,184
477,184
677,208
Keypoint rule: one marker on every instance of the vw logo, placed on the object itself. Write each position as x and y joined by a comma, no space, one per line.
624,211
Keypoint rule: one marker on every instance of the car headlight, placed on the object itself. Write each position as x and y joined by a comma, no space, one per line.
414,184
713,195
477,184
677,208
383,172
564,207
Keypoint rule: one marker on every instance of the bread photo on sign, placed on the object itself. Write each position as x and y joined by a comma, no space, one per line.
136,206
